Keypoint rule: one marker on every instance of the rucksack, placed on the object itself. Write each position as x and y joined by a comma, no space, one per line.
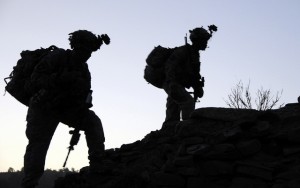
18,82
154,72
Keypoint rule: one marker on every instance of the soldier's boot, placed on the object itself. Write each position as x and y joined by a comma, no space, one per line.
99,161
187,108
101,165
98,168
28,185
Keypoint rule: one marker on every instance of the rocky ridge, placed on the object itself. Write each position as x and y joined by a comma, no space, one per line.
215,148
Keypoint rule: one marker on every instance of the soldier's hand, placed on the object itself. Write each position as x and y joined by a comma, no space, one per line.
198,93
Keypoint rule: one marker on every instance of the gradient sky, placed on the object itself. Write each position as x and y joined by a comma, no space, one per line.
257,41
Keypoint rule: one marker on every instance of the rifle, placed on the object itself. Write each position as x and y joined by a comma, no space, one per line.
185,39
193,93
201,84
202,81
74,141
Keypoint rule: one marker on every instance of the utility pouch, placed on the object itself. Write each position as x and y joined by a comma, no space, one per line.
89,98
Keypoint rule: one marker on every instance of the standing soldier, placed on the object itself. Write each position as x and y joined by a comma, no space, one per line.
182,70
61,92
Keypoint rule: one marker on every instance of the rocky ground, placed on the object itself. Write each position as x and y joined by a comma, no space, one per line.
215,148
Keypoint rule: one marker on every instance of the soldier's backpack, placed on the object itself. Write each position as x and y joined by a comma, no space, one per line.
154,72
18,82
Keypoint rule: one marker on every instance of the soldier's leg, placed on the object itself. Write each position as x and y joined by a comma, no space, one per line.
39,131
95,139
182,98
187,106
172,111
172,108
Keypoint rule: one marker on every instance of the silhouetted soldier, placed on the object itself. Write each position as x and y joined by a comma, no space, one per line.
182,71
62,88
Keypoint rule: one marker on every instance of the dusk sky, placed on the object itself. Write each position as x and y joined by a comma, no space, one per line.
256,41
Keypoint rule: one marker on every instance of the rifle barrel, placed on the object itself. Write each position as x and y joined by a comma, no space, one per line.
65,163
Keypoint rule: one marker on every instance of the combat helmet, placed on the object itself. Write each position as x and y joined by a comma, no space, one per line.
201,33
83,39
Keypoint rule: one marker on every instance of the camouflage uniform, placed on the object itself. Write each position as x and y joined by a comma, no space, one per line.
182,71
61,88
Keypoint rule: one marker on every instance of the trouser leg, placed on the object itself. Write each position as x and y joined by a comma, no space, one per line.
183,100
87,121
172,110
95,139
187,108
39,132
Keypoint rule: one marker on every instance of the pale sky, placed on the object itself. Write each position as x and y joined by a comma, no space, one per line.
257,40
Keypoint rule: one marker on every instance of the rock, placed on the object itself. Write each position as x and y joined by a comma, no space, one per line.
215,167
186,161
167,180
198,149
224,114
188,171
215,148
242,182
193,140
195,182
223,152
202,182
249,147
254,169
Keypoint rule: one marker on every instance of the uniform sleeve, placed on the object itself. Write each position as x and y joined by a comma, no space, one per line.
196,74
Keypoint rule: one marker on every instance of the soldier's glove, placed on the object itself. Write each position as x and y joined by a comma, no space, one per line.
198,93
